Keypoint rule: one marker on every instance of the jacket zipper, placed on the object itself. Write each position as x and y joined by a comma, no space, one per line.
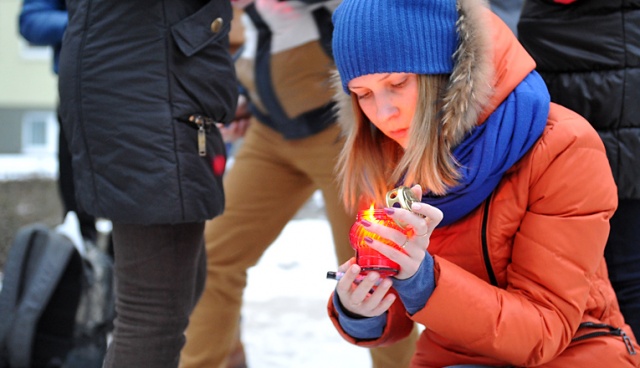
203,124
485,246
613,331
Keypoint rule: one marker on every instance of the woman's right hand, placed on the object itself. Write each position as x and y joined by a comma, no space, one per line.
363,298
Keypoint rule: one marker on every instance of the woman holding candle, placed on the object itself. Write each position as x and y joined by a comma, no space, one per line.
505,265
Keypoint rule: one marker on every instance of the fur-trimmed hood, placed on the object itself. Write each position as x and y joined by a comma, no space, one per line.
488,64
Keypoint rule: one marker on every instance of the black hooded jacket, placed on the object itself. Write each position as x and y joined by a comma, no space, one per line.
588,53
132,72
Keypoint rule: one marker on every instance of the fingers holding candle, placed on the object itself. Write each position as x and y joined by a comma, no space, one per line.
345,266
432,217
416,225
405,230
364,298
408,258
412,244
386,230
382,231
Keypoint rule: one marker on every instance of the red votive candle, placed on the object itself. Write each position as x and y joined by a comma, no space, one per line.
366,257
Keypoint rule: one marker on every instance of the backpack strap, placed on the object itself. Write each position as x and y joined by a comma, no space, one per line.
43,279
13,273
324,24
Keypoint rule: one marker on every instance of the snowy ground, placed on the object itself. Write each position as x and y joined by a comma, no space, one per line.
285,323
13,167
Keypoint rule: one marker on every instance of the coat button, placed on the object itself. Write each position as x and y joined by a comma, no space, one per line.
216,25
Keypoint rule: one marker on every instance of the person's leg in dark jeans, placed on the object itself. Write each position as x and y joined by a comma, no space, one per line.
67,189
160,273
623,260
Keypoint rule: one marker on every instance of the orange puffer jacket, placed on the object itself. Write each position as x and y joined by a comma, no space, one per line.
521,281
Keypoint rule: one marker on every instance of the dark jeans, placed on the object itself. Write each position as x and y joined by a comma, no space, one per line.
160,274
623,260
68,190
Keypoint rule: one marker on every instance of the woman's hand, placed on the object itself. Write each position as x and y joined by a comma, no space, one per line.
238,127
416,243
363,298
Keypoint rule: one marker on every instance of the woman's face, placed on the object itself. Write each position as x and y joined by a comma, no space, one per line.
389,101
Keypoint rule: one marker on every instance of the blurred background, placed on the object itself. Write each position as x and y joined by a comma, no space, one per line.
28,131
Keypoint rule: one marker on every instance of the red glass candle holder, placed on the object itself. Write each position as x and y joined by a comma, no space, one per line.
368,258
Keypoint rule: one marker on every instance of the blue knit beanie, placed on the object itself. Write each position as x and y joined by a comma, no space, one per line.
394,36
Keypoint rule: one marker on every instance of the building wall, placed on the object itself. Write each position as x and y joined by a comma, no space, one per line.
10,130
28,85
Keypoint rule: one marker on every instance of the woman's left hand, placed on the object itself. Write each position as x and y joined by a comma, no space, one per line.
416,243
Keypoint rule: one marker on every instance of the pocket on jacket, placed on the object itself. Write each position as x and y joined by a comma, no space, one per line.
209,24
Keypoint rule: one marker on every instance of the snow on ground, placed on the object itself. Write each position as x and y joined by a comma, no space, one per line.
15,167
285,323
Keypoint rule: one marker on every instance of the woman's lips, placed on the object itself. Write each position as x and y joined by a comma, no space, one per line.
399,133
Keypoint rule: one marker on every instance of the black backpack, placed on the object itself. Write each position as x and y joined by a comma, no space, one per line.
56,306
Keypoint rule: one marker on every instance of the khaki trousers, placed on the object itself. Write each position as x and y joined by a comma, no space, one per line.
268,183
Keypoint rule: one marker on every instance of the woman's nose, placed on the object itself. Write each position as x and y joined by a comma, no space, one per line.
386,109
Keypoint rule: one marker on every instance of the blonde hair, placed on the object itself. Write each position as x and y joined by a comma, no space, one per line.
371,163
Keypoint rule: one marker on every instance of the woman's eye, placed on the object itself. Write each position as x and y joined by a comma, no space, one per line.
401,84
364,95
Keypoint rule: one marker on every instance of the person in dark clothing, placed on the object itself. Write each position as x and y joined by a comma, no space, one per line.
143,85
42,23
595,71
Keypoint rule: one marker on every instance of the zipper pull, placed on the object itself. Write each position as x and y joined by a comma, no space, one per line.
202,141
203,124
628,343
202,138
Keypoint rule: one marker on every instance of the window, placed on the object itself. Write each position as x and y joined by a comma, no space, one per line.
39,132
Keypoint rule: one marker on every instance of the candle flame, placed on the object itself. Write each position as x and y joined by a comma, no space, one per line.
368,214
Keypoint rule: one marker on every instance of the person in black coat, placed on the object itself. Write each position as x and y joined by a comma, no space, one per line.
143,85
588,52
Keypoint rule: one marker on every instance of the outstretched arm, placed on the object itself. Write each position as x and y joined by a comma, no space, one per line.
43,22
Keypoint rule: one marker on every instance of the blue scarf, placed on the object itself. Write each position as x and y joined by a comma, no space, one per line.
493,147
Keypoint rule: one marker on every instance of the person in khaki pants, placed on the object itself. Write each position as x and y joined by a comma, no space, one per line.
289,151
